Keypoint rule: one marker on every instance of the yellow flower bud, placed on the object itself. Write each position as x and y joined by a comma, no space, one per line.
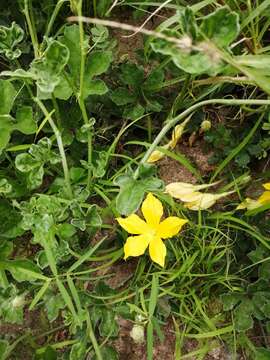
206,125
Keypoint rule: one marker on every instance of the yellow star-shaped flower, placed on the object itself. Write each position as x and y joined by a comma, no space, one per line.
151,231
265,197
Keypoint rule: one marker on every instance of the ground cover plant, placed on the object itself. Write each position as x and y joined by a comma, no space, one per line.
134,179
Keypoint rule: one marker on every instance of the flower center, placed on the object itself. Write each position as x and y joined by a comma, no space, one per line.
152,232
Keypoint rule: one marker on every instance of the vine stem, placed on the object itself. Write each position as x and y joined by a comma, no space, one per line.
171,123
60,146
31,28
53,16
81,95
92,337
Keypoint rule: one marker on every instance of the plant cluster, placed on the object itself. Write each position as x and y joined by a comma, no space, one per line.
84,132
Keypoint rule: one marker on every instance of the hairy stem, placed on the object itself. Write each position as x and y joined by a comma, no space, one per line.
81,95
31,28
184,114
60,146
93,338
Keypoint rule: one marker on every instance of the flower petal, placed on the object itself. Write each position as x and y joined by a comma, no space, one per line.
264,198
133,224
136,245
266,186
157,251
182,191
248,204
152,210
155,156
170,227
205,201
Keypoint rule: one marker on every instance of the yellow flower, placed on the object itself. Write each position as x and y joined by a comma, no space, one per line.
203,201
265,197
266,186
151,231
185,191
176,135
192,197
249,204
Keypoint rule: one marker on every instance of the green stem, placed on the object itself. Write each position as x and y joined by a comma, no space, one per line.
57,112
31,27
53,17
60,146
93,338
95,7
179,99
187,112
3,279
81,95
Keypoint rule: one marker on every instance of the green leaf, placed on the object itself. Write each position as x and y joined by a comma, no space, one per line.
103,6
99,34
5,186
9,39
11,305
108,352
134,112
25,120
48,354
121,96
18,74
63,90
47,70
192,63
130,197
66,230
6,248
71,39
132,192
98,63
262,354
222,26
53,305
22,270
188,22
132,75
78,351
242,159
35,178
94,87
153,295
25,162
243,316
264,270
257,255
7,97
154,80
3,349
4,137
99,163
9,220
105,320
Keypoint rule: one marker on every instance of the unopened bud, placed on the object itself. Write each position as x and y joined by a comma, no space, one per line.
206,125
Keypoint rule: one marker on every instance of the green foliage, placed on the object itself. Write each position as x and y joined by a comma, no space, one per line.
135,93
23,122
32,163
196,54
132,192
11,308
78,114
9,40
222,27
